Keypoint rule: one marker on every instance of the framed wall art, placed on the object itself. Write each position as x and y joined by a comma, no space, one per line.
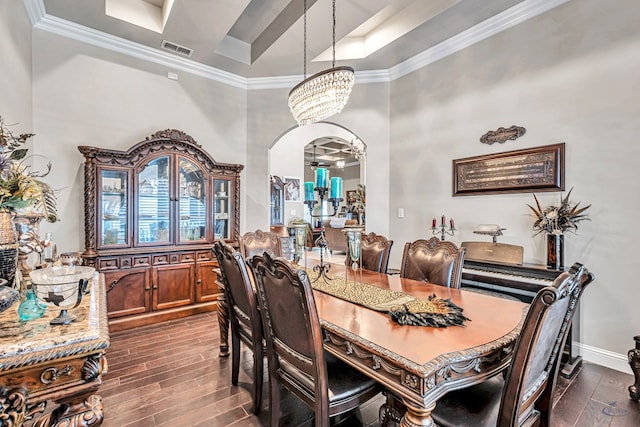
291,189
530,170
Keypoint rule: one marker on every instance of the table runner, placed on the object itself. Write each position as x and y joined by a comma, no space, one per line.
403,308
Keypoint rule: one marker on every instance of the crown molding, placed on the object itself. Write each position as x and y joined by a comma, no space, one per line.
509,18
515,15
93,37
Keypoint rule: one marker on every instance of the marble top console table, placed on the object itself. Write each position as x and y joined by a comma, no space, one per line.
59,365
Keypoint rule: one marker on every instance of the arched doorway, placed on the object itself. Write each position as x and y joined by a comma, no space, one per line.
291,154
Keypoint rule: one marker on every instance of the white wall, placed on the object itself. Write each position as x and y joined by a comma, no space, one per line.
15,84
571,75
84,95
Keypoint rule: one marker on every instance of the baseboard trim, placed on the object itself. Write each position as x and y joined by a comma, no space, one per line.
602,357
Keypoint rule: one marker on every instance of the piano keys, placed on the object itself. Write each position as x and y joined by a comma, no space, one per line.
520,281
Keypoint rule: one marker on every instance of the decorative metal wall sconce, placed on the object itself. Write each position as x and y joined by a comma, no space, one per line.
501,135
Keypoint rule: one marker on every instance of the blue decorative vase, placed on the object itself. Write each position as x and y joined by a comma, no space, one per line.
31,308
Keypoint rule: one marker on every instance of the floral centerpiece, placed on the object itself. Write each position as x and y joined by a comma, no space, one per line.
554,221
21,189
558,219
24,201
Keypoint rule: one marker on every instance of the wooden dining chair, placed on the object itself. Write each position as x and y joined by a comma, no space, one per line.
295,352
374,252
433,261
525,397
256,242
244,318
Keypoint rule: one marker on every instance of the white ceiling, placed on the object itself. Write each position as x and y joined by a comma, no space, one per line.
264,38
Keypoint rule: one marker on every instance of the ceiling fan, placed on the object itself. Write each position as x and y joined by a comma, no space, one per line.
313,164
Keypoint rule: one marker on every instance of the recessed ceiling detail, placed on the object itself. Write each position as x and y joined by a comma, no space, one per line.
149,14
385,27
257,44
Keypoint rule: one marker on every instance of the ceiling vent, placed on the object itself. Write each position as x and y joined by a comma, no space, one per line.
176,48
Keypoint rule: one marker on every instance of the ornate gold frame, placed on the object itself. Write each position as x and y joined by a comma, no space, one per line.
533,169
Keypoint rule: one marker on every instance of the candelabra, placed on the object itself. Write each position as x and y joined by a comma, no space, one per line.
442,228
321,188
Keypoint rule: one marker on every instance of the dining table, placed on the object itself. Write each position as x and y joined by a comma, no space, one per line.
416,364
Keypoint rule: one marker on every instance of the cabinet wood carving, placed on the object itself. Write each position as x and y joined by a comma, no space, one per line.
152,214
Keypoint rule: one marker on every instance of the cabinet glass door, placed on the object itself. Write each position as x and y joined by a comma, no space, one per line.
113,206
192,208
222,209
153,202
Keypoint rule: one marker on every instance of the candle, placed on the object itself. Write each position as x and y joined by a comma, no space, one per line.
433,223
336,187
321,177
451,223
308,191
443,220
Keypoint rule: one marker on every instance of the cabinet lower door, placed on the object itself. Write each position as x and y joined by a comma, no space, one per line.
173,286
206,288
128,291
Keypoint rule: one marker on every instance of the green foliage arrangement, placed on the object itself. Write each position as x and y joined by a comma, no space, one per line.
20,187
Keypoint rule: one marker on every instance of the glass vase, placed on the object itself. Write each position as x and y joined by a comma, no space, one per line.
555,251
31,308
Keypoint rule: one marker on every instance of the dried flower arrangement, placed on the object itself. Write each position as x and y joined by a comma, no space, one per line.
558,219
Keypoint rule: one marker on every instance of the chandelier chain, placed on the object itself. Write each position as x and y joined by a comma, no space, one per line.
304,57
333,40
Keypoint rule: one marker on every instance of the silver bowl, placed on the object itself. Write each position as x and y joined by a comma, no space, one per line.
61,287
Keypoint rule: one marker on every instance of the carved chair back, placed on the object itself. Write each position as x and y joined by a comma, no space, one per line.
525,396
244,318
374,252
433,261
531,379
296,356
256,242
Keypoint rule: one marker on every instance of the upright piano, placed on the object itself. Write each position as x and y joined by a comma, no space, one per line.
498,268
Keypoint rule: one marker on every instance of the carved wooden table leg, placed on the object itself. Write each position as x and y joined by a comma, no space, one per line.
634,362
418,417
84,413
223,321
13,406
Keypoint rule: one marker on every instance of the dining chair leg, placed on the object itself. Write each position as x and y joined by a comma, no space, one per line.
258,367
235,357
274,401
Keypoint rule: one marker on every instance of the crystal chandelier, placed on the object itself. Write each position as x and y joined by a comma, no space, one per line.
325,93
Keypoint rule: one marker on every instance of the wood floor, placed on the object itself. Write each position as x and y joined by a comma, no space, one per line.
170,374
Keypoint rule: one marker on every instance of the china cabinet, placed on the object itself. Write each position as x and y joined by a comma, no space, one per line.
152,214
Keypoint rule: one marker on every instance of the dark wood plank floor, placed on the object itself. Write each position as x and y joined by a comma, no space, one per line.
170,375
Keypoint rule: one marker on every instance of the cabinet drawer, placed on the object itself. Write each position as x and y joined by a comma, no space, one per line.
125,262
161,259
47,376
188,257
141,261
108,264
204,255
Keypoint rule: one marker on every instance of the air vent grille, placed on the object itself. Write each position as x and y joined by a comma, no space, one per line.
176,48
